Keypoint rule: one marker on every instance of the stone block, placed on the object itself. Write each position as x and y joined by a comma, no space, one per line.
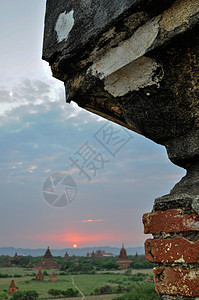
178,250
176,281
171,220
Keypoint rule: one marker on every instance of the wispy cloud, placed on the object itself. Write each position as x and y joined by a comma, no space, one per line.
31,97
99,179
91,221
32,168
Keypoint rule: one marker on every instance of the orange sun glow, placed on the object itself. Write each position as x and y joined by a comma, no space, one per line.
74,246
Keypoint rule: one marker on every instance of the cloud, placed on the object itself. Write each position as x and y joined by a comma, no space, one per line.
91,221
32,168
33,97
99,179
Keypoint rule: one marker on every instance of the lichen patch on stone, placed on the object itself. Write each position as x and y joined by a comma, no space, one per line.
138,74
179,13
64,24
128,51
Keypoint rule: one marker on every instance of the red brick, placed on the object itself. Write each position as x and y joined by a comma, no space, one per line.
172,220
172,250
175,281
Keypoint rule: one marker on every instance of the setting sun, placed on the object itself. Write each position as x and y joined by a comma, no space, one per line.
74,246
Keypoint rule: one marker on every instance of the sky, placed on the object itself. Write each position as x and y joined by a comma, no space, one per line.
47,197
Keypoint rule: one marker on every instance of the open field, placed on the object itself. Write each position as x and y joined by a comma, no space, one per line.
103,297
17,270
86,283
145,271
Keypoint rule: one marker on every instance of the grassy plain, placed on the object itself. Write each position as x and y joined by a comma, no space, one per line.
86,283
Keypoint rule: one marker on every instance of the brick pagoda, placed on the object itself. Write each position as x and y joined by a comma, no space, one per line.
39,276
47,262
123,259
66,256
53,277
12,287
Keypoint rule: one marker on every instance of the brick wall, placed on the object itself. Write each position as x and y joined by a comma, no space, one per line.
175,248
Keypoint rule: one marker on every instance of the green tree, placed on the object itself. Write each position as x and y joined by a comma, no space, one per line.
128,272
143,292
25,295
106,290
45,273
110,265
3,295
120,289
54,292
96,291
70,293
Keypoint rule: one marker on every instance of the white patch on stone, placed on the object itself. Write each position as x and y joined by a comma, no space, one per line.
138,74
191,223
64,25
127,51
192,274
180,260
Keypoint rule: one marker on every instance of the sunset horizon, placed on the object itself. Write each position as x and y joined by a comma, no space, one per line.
45,198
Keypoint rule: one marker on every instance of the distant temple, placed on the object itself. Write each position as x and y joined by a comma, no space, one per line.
139,259
93,255
53,277
136,256
12,287
66,256
15,259
6,262
15,256
9,263
99,254
123,259
47,262
39,275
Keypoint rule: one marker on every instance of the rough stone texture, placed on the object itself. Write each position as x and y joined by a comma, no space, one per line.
169,297
175,200
92,18
177,250
108,36
171,220
176,281
136,62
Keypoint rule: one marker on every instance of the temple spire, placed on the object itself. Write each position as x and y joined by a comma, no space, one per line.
48,253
